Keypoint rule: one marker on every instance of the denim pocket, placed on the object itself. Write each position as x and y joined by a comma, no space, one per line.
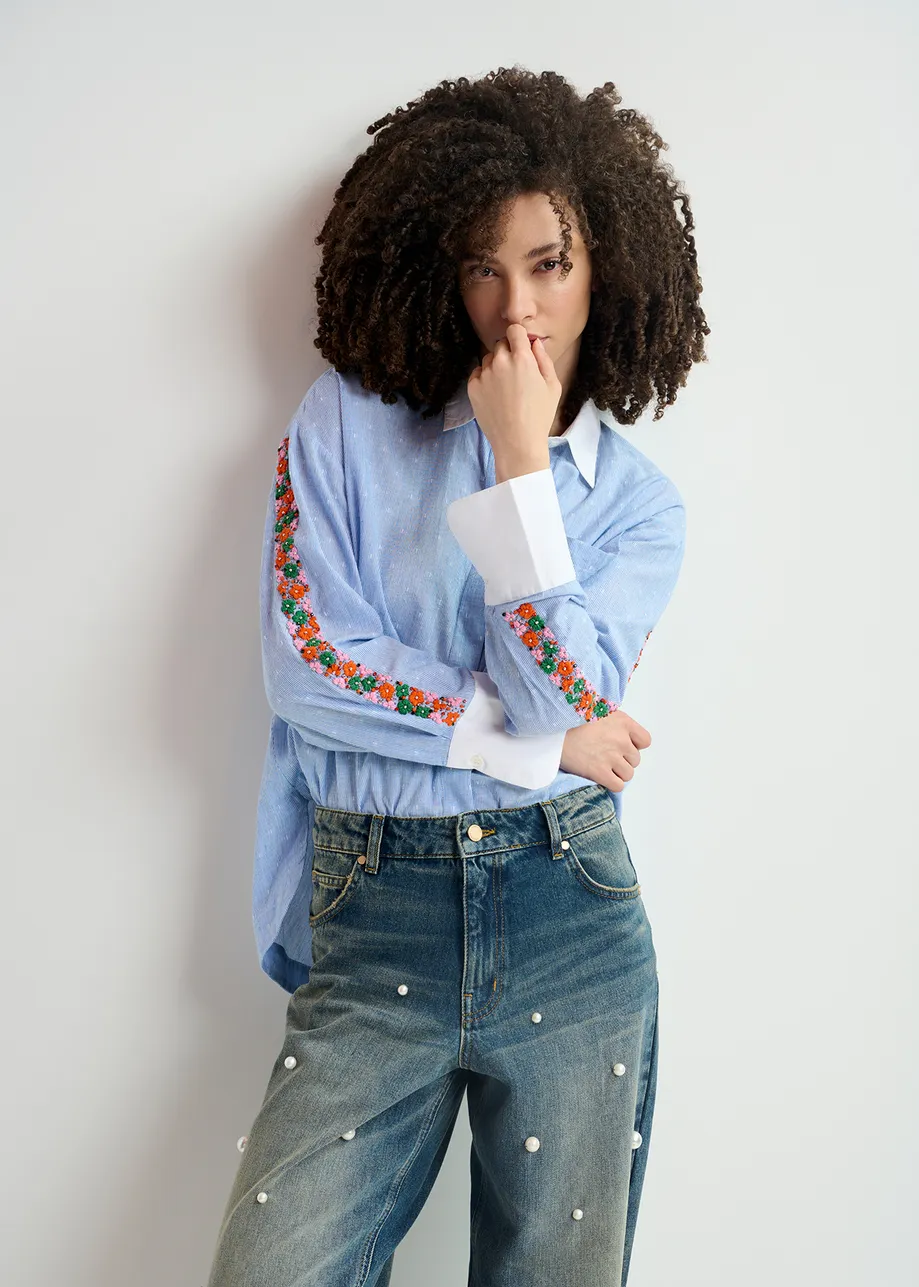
336,876
599,859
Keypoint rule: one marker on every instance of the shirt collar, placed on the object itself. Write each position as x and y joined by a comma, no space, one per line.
582,435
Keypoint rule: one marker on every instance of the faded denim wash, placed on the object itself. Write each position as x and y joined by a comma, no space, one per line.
501,952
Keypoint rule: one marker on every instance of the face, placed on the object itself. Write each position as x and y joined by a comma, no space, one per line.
519,285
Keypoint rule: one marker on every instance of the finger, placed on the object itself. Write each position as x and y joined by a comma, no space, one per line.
610,781
621,766
517,338
639,735
633,755
544,362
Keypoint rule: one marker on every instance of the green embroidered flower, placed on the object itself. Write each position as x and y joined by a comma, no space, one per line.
536,623
300,617
290,570
578,685
601,708
548,664
327,658
403,690
288,605
405,707
423,711
368,682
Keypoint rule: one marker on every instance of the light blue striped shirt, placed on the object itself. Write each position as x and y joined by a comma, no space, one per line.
428,636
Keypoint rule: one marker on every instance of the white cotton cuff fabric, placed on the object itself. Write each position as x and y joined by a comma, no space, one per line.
514,536
480,741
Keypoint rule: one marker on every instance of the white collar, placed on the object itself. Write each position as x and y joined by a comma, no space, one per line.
582,435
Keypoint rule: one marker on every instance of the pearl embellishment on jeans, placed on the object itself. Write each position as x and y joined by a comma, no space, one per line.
348,1135
290,1062
577,1214
531,1144
261,1197
618,1069
636,1139
241,1142
402,989
536,1017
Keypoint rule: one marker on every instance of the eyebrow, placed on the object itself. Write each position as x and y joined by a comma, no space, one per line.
531,254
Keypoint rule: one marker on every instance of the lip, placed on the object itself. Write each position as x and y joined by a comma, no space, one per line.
536,337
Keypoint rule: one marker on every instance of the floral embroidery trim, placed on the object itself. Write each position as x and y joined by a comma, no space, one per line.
318,653
555,661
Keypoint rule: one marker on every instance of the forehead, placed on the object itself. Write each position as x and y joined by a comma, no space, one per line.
527,227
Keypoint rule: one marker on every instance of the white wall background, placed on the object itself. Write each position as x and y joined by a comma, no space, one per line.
165,169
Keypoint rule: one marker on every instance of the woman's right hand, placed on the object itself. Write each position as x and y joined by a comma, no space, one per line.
605,750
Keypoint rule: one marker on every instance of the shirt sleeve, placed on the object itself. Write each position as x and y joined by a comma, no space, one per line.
562,642
330,670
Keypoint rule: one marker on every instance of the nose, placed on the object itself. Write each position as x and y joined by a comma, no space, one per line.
518,306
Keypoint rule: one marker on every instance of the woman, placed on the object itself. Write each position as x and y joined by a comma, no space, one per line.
462,563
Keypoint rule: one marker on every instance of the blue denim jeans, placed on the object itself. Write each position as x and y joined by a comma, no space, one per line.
501,952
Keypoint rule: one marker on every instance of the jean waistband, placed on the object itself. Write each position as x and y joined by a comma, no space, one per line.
476,831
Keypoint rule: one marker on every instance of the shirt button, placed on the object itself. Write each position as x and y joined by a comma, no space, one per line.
477,762
474,832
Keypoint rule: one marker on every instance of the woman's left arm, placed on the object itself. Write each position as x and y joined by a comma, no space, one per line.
559,649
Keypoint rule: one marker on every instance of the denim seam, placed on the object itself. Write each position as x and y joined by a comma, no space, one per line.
486,1010
367,1256
592,826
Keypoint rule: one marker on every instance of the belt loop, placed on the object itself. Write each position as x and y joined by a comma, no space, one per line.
555,831
374,837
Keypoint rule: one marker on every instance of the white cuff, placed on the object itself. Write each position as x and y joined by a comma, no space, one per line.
514,536
480,741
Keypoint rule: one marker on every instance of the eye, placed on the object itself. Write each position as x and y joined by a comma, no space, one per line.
484,268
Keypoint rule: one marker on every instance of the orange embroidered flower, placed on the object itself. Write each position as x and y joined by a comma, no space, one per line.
350,668
297,591
526,610
530,638
416,696
566,683
387,692
565,667
451,717
310,652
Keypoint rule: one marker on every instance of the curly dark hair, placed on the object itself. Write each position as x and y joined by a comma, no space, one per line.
433,187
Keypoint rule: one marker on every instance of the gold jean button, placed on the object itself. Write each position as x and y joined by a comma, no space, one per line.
474,832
